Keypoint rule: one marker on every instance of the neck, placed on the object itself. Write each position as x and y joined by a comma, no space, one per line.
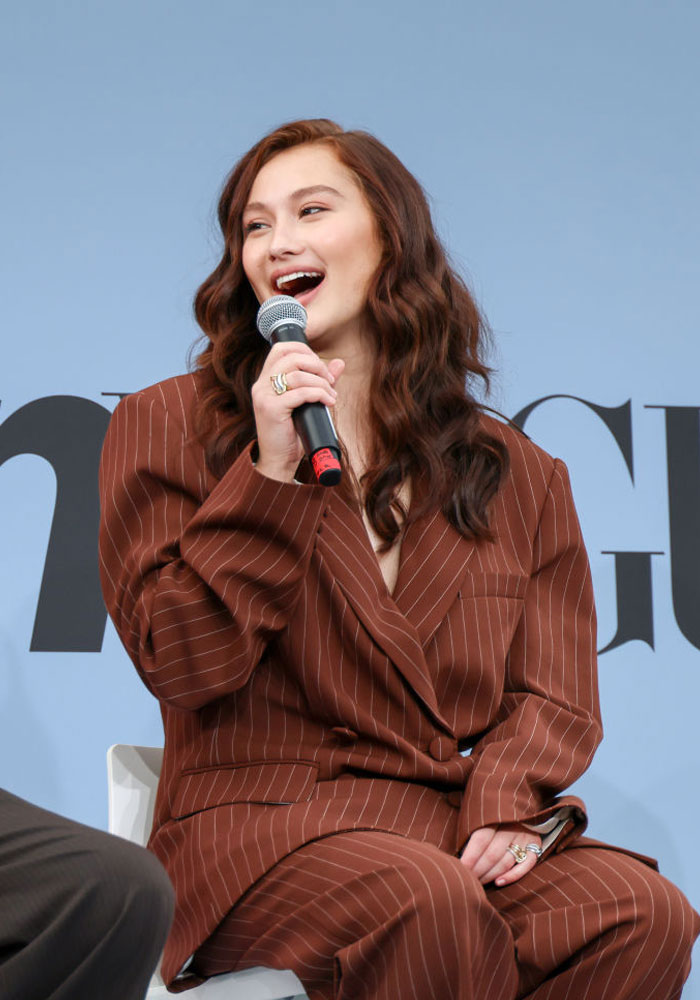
353,385
351,413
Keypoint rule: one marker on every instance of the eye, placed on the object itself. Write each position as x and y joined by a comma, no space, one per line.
252,227
312,209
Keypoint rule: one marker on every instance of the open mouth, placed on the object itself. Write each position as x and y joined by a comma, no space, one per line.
298,282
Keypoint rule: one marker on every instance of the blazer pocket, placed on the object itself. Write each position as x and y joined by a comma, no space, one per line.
279,782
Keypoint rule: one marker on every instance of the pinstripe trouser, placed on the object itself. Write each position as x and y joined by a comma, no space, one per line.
83,915
369,915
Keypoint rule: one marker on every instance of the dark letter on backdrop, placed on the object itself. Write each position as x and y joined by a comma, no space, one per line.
635,614
68,432
683,460
618,420
635,619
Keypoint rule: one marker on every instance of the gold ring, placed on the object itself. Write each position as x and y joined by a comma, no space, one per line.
518,852
279,383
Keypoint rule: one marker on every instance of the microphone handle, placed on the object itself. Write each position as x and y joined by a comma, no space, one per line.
313,423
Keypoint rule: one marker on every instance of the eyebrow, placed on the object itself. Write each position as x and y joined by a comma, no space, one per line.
257,206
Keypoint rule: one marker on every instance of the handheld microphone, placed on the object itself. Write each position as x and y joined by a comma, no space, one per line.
281,319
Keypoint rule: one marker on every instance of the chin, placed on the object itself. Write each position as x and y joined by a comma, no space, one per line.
316,326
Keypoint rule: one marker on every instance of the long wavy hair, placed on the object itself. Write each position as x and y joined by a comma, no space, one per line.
429,339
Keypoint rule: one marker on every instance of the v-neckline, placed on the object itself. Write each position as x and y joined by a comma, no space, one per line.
395,552
305,475
400,542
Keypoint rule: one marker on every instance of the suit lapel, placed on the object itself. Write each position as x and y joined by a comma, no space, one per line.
399,624
434,559
345,547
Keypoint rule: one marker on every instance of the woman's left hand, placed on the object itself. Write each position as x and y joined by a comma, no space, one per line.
487,854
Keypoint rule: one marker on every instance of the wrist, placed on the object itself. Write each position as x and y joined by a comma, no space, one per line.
273,472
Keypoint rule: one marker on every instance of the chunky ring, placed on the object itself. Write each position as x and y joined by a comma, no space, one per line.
279,383
535,849
518,852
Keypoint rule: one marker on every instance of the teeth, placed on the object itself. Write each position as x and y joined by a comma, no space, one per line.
281,282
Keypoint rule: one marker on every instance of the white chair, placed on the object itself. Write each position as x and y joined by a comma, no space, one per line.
132,775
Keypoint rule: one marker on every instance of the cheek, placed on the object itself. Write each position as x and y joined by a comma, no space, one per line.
366,267
251,268
359,257
369,257
246,261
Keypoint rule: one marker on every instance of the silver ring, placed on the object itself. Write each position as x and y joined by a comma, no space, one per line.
279,383
535,849
518,852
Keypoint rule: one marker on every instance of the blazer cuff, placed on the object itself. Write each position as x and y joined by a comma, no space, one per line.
561,821
551,828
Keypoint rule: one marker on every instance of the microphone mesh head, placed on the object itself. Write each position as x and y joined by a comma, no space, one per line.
278,310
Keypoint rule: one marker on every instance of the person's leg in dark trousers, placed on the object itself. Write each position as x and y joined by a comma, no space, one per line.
83,914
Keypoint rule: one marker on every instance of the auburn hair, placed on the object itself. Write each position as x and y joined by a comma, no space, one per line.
429,337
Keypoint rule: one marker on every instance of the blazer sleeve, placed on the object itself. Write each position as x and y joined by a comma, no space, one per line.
197,582
548,724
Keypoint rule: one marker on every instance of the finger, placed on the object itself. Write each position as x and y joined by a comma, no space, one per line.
506,863
300,379
266,399
476,845
292,356
293,377
304,376
495,859
336,368
294,398
505,860
285,347
517,871
280,407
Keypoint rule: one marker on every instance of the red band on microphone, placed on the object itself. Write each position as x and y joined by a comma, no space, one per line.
326,467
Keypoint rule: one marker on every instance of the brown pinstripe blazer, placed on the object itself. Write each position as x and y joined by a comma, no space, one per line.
298,696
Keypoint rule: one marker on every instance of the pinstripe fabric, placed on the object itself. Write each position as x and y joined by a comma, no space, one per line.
372,914
299,697
375,915
610,927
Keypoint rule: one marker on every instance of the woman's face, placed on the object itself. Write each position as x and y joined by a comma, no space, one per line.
308,232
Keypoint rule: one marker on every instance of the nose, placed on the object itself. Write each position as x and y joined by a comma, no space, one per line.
285,241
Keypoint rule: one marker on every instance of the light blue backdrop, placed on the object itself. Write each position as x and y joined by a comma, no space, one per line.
560,145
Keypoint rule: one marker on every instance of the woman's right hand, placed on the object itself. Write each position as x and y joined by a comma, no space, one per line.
309,380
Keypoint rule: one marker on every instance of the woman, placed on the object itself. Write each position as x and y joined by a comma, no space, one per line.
373,695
